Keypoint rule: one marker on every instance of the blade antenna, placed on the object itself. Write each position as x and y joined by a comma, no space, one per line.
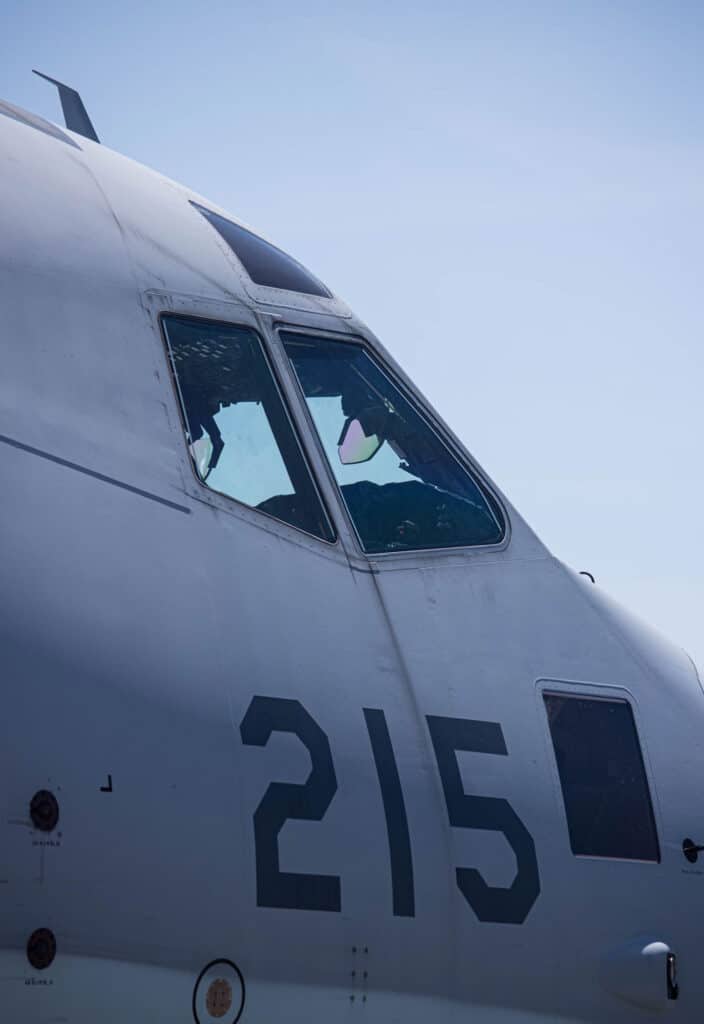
75,114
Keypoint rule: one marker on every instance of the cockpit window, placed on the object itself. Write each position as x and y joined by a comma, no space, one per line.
265,264
604,786
239,436
403,488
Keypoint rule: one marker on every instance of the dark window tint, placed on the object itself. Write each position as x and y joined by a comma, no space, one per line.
607,801
239,436
264,263
403,488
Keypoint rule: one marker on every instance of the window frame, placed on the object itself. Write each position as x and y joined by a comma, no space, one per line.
203,488
398,379
580,690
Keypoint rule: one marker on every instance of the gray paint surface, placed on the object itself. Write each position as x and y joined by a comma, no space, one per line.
135,638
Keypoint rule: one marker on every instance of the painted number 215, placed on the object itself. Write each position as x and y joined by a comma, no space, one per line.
310,800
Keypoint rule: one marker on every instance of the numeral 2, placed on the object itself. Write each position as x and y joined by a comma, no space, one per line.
283,800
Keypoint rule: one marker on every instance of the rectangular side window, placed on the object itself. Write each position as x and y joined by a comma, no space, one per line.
239,436
604,786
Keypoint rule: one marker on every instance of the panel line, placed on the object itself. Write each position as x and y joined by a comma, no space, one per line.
12,443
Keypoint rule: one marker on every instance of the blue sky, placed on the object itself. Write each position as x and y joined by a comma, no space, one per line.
510,194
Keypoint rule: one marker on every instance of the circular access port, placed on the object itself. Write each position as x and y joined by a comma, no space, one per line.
44,811
218,996
41,948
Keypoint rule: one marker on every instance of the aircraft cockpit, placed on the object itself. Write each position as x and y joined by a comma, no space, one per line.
402,486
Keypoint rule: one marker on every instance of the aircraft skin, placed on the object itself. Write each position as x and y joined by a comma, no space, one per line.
169,653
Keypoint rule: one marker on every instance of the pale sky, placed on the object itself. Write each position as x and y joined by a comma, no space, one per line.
510,194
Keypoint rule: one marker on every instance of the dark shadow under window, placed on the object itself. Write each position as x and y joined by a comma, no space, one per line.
604,786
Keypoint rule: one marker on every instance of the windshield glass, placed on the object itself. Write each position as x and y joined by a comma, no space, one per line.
402,486
238,433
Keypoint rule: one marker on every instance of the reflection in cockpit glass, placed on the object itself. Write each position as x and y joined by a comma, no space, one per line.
239,436
354,445
402,486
